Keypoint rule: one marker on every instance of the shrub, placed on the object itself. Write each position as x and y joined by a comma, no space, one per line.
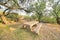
13,16
48,19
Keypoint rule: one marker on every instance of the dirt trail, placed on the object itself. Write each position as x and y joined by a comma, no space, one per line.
49,32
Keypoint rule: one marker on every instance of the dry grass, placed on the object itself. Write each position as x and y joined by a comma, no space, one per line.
16,33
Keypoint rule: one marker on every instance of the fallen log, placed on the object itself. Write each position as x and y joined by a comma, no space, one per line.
37,28
33,26
29,25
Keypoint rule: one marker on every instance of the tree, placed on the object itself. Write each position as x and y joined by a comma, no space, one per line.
10,5
9,8
56,10
38,8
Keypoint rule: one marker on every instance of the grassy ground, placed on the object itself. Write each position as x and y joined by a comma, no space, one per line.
17,34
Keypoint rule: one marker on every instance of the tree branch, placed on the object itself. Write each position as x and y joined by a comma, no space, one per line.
6,2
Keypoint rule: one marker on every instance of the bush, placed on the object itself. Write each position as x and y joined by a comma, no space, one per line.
13,16
28,18
48,19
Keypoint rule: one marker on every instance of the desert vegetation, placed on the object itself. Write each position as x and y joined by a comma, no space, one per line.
29,19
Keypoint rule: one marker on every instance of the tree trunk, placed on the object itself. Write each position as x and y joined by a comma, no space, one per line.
58,20
39,17
4,20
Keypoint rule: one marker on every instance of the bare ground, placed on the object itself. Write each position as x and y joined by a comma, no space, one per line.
50,32
47,32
